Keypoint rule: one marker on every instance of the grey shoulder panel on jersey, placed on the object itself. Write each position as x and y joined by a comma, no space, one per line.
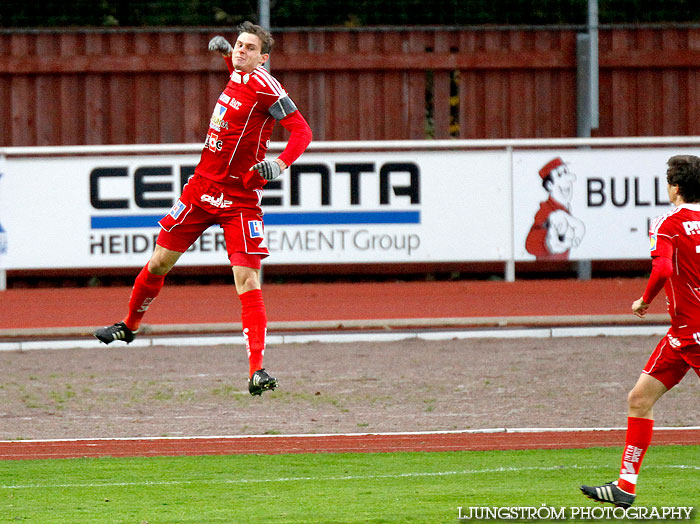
283,107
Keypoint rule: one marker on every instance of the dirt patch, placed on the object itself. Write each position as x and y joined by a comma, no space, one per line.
330,388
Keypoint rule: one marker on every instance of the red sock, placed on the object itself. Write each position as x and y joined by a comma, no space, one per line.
254,322
637,442
145,290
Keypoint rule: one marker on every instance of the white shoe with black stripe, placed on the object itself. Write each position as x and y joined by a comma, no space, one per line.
609,493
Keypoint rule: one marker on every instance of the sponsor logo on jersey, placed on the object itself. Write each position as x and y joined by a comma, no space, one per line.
652,242
225,98
177,209
223,125
692,227
219,201
217,118
213,143
235,104
675,343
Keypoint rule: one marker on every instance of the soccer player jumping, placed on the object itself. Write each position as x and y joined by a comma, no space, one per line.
675,252
226,189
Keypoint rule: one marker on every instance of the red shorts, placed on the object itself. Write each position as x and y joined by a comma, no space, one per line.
673,357
204,203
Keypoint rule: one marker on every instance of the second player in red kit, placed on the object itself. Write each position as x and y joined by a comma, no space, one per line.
675,252
226,189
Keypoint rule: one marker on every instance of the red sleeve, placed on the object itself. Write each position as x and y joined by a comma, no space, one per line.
661,270
661,245
299,139
229,63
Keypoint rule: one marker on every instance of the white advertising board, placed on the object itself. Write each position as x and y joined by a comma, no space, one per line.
472,202
401,206
605,199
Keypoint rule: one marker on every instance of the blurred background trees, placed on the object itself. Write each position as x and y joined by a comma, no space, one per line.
309,13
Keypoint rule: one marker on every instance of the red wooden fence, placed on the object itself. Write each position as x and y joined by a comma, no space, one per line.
159,86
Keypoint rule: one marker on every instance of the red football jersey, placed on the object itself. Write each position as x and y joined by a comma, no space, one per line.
676,235
240,129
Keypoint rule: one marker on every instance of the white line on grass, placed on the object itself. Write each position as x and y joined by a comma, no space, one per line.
323,479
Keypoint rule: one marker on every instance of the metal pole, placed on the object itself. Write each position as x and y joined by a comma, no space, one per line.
584,114
264,20
593,60
510,261
583,86
264,13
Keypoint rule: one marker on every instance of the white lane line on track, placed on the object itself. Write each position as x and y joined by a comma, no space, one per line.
366,336
325,479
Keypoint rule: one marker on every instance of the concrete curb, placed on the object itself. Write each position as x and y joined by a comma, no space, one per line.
388,324
339,336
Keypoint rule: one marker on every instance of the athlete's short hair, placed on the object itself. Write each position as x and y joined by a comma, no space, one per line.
259,31
684,172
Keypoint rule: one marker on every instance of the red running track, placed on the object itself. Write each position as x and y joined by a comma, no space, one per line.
373,443
79,307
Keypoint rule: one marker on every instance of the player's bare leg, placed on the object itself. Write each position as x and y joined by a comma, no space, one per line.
645,393
162,260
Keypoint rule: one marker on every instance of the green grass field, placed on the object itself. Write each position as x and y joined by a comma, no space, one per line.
328,488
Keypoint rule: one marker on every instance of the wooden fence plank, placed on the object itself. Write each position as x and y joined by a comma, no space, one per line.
373,84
